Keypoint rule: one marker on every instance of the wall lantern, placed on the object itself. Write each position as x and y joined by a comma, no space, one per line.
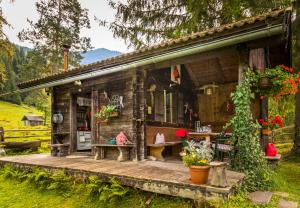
57,118
209,89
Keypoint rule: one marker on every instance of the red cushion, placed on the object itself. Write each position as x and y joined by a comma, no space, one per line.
271,150
181,133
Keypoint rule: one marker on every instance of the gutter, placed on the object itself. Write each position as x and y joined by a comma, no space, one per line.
199,48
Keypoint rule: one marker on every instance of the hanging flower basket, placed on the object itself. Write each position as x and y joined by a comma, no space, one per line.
277,82
264,82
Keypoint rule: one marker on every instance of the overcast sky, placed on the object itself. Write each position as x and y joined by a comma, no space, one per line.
18,12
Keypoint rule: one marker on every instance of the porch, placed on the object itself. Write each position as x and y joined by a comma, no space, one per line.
170,178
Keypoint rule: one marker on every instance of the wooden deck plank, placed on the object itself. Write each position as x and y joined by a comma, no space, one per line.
170,178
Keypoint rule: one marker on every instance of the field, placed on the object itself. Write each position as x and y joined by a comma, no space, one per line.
11,118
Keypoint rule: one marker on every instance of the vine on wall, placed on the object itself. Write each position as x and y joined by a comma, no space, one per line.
248,156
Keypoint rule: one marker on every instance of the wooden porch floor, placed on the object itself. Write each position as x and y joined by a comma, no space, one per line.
170,177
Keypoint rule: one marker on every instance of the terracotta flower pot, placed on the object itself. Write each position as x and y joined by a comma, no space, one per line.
199,174
266,132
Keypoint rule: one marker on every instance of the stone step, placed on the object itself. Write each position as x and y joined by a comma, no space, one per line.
260,197
287,204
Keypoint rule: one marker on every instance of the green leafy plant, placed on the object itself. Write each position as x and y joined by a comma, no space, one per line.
105,191
113,190
105,112
282,79
247,155
94,186
11,172
60,182
40,178
197,154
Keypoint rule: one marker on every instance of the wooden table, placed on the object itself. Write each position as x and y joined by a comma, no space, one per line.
157,149
199,135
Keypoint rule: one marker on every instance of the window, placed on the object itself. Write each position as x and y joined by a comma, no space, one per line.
169,107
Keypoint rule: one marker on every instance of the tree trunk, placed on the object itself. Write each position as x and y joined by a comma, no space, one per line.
296,64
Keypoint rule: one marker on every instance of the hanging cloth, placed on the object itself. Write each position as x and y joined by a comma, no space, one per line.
257,59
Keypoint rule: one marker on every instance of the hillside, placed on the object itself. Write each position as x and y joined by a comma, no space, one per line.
89,56
11,115
97,55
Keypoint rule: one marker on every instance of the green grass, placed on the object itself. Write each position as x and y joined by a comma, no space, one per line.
11,118
286,178
19,195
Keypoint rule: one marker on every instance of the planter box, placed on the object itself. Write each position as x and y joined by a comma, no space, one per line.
114,115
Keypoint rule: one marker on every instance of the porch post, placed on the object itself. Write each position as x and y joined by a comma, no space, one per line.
94,125
258,59
138,115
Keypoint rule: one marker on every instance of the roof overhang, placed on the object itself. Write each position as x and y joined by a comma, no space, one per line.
246,36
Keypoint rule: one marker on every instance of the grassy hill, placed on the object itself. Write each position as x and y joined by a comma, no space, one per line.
11,115
11,118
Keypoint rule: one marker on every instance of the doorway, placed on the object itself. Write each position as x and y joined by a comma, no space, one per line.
83,122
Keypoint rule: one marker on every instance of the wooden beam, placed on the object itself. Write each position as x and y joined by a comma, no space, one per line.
94,126
220,74
192,75
193,58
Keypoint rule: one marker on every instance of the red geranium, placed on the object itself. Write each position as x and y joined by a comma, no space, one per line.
272,122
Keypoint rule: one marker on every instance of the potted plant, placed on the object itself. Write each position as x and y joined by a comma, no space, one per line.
277,82
272,123
197,157
105,113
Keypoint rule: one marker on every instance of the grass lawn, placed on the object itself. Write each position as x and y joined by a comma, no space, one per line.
23,195
287,180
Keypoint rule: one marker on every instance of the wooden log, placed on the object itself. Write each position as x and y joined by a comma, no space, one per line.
1,134
34,145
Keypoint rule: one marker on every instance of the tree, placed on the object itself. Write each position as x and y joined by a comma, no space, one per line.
296,63
12,70
60,22
142,22
6,48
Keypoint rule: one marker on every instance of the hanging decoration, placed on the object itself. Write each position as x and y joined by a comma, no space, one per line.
176,74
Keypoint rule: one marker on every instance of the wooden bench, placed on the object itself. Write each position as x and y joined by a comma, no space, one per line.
170,140
273,160
60,150
124,151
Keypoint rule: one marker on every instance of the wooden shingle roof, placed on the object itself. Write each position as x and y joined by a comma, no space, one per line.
273,17
33,118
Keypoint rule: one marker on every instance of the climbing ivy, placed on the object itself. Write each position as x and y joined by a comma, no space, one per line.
247,156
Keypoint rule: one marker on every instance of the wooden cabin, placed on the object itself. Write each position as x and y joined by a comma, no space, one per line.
162,88
33,120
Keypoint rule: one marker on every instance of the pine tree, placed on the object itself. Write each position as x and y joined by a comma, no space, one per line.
142,22
60,22
6,48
